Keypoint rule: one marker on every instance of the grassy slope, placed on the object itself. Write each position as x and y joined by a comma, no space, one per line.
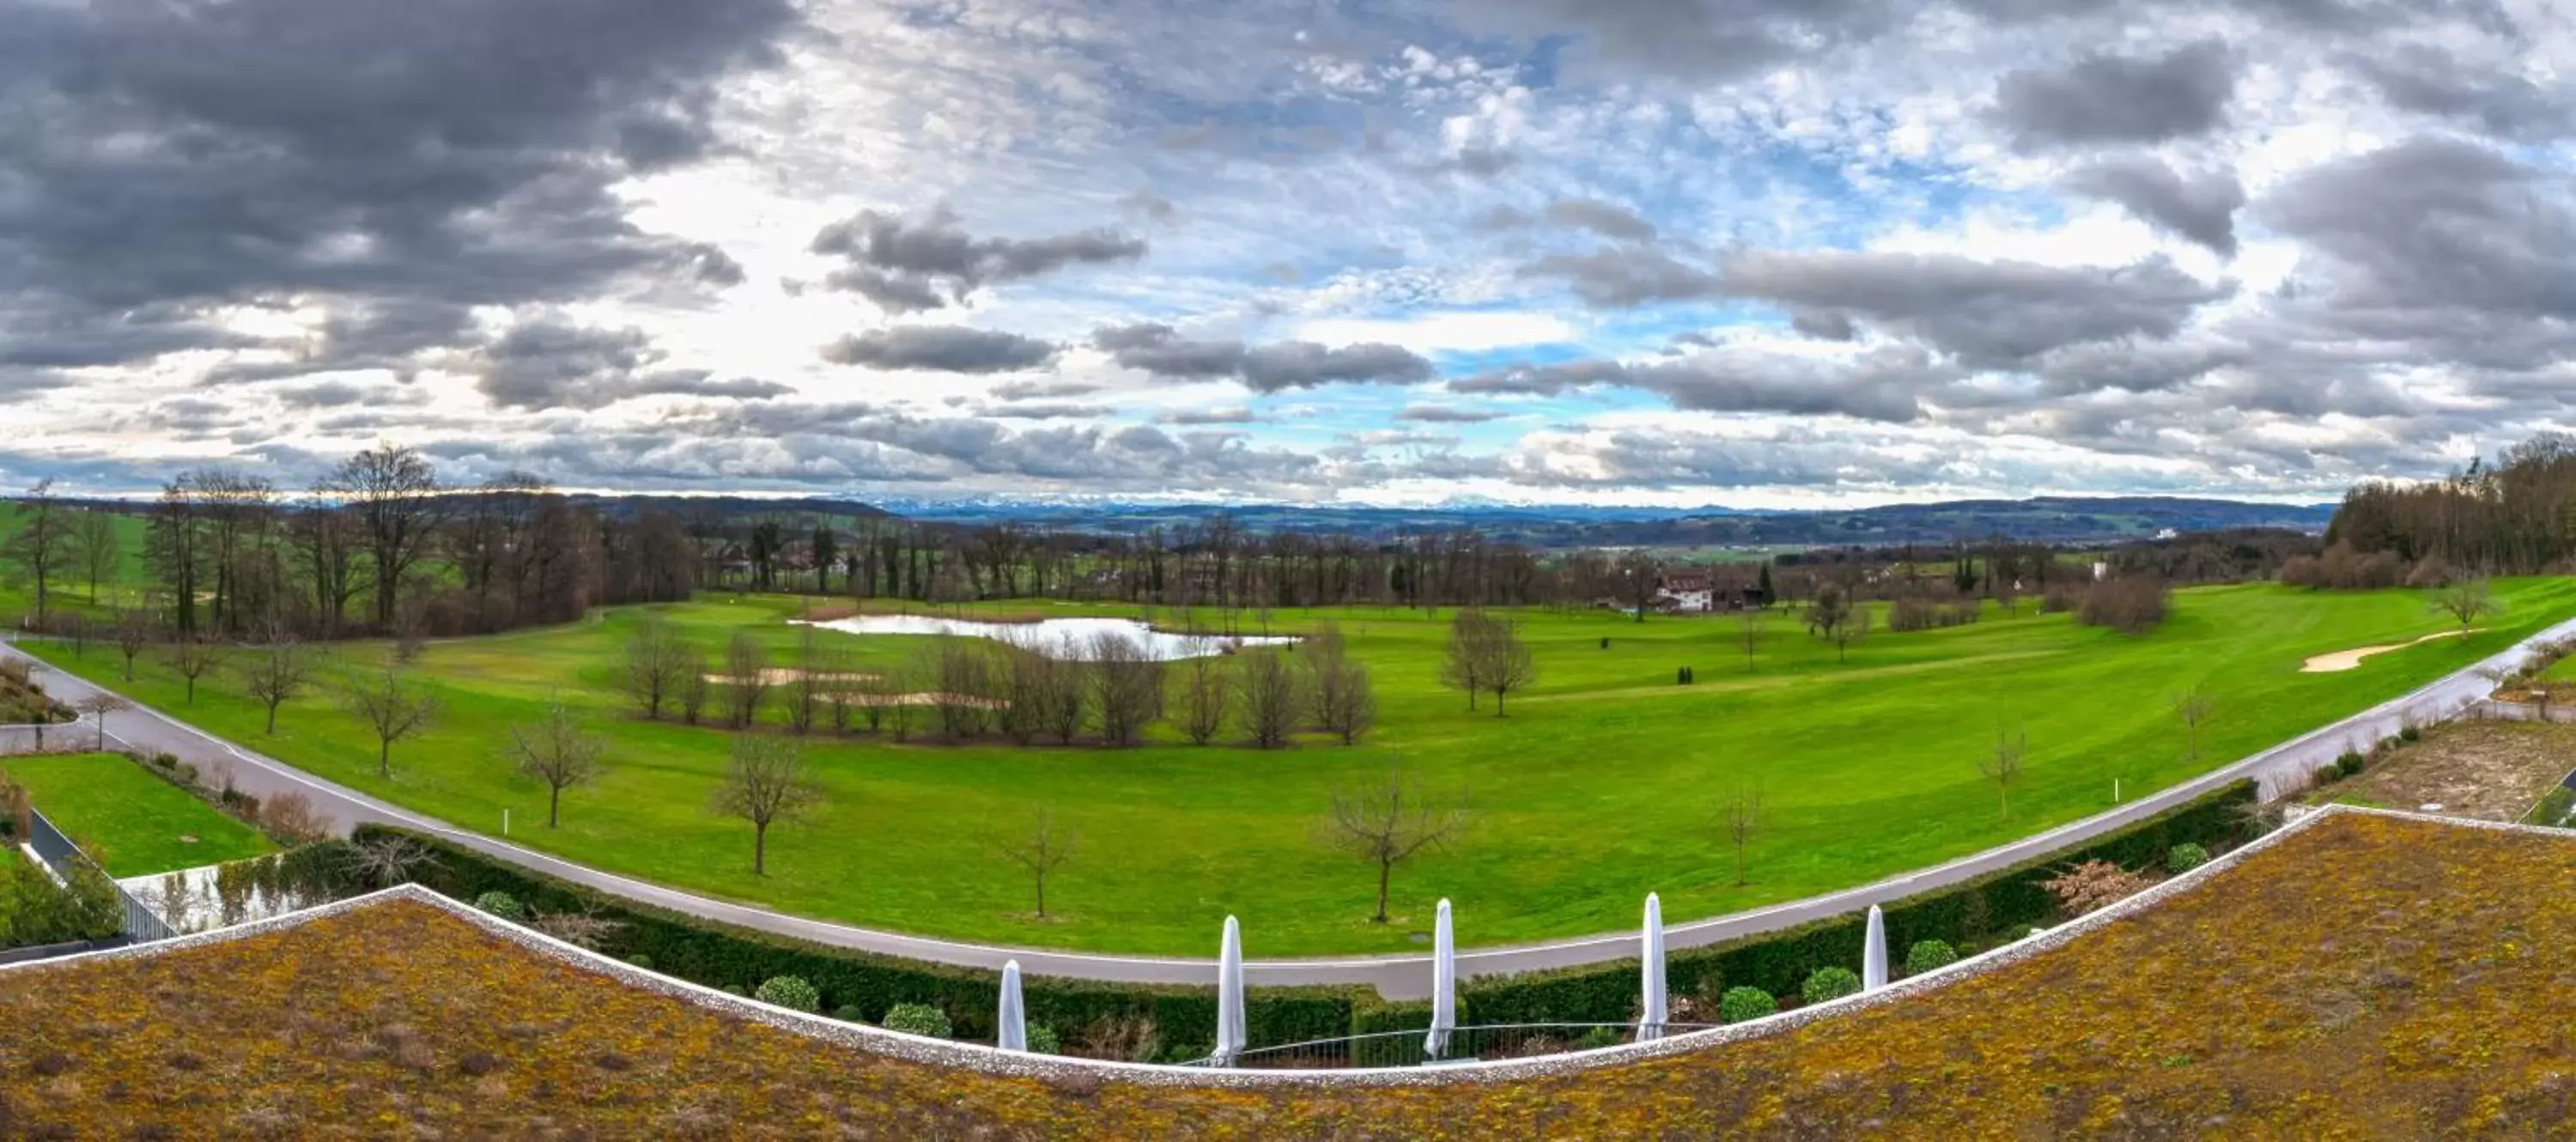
69,589
1598,788
136,820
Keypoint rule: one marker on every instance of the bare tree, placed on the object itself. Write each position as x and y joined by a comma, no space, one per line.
193,658
1266,698
2002,765
766,784
555,750
1507,664
1739,820
99,705
1353,710
1387,821
95,548
276,673
1322,657
387,860
1830,616
1463,660
2466,602
695,690
133,635
1201,704
1127,684
746,679
1752,626
805,691
42,542
658,665
1044,849
391,705
398,503
966,702
2193,706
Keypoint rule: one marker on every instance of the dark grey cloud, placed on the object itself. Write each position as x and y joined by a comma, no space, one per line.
1608,219
1888,384
1447,414
906,265
1047,410
382,155
544,364
2200,209
338,394
941,348
1824,325
1034,390
1194,416
1163,352
2412,235
1626,276
2105,98
1988,314
2430,81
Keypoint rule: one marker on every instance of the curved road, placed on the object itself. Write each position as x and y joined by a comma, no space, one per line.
1397,977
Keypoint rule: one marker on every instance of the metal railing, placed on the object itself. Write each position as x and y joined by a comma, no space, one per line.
142,924
1481,1043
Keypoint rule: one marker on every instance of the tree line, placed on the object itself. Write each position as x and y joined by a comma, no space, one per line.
380,545
2514,515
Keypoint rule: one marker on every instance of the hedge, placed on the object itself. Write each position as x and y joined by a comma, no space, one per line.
706,952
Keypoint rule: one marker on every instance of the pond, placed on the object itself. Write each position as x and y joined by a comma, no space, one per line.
1066,639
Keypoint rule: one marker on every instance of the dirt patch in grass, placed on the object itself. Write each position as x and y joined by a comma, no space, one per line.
2492,771
2342,660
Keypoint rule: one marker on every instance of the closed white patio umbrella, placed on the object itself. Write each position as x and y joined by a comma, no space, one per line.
1444,987
1229,995
1873,955
1014,1022
1650,1026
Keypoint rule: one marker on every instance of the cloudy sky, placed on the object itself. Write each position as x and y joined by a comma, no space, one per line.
1748,252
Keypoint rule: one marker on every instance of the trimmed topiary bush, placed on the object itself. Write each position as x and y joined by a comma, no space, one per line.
848,1013
1926,955
1600,1037
1829,983
503,905
2185,857
735,990
790,992
1742,1003
1042,1040
919,1019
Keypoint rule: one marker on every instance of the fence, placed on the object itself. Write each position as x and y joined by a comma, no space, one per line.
1411,1048
142,925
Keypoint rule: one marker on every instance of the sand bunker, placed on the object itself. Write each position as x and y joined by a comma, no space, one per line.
785,676
2348,659
928,698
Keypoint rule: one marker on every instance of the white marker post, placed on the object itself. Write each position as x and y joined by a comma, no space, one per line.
505,822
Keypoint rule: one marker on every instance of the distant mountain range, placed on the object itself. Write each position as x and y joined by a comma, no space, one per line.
2047,519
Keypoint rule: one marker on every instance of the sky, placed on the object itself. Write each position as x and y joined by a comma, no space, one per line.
1753,253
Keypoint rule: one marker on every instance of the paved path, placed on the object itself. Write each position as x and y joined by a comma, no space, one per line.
1399,977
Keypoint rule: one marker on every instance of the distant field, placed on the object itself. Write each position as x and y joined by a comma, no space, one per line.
70,589
1601,786
140,824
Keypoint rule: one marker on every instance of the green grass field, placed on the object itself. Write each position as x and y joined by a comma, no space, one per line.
1600,787
69,590
140,824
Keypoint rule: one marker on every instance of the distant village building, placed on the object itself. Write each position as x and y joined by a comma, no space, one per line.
1686,592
